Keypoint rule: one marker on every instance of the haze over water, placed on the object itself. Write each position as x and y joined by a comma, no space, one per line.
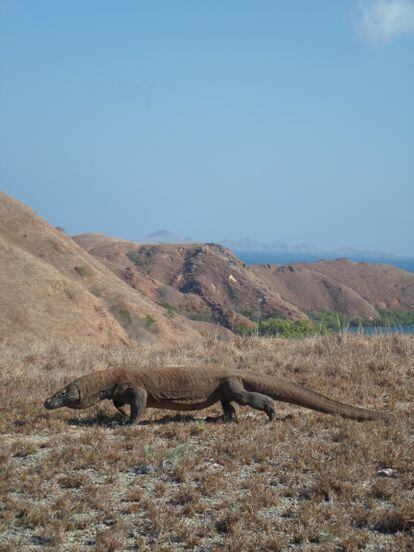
260,257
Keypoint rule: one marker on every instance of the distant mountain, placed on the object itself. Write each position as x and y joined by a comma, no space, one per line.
164,236
352,252
250,245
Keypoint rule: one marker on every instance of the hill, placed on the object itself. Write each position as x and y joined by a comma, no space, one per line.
384,286
356,289
52,289
108,291
208,282
201,281
311,290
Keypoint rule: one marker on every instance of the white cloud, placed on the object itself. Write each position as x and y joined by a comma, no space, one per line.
383,20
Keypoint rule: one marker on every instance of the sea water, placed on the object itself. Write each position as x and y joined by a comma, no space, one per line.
406,329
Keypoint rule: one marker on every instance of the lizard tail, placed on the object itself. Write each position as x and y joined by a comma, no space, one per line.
292,393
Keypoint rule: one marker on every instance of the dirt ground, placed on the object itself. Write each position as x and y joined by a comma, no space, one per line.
79,480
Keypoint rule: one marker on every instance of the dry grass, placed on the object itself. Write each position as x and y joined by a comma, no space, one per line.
80,481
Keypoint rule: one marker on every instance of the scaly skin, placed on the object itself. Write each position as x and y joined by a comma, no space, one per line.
193,389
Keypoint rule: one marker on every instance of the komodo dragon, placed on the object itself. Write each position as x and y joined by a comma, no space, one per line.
193,389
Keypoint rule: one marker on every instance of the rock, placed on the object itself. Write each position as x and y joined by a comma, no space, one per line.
145,469
387,472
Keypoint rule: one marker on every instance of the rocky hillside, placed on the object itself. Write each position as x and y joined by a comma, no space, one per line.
52,289
201,281
208,282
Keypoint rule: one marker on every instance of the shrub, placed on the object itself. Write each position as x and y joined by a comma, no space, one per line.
149,321
136,258
83,270
329,321
140,257
244,329
171,311
279,327
396,318
133,324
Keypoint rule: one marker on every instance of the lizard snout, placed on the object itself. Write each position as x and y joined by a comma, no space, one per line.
47,404
56,401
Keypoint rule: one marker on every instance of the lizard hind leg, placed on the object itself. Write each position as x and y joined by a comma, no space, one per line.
233,390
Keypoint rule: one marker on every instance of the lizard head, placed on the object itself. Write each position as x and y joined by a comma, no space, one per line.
68,396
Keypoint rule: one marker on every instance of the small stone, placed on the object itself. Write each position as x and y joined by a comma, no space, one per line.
387,472
145,469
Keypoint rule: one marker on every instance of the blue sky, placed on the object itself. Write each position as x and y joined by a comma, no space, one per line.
277,120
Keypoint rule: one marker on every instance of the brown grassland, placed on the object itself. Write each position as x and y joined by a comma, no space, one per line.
79,480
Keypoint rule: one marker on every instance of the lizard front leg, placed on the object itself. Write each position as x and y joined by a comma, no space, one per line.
136,397
119,404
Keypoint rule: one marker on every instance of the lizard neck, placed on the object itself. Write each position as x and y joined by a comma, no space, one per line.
96,387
